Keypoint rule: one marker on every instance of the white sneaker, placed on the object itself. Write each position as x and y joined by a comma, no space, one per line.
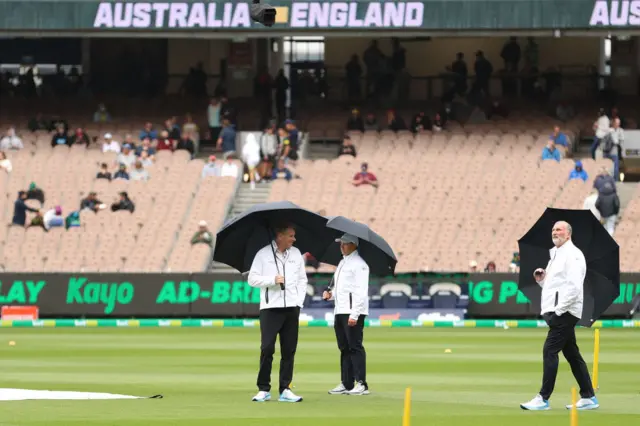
288,396
536,404
586,404
338,390
358,389
262,396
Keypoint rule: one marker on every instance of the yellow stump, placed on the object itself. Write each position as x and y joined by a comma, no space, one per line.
574,408
406,416
596,357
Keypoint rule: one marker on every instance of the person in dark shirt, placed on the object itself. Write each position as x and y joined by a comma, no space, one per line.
123,204
80,137
227,138
186,144
347,147
60,137
35,193
355,121
293,139
173,131
122,173
20,210
91,203
104,172
395,122
420,123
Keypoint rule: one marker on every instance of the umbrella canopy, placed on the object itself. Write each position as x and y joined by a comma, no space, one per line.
238,241
601,252
372,247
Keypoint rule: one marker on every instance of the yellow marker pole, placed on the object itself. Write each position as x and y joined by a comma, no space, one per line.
596,357
406,416
574,408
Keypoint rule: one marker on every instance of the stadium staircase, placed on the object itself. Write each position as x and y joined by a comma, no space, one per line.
245,198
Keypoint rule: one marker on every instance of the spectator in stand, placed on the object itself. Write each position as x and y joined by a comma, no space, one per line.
347,147
251,157
80,137
126,157
365,177
559,138
268,150
550,152
20,210
38,123
164,143
186,144
211,168
146,146
590,204
122,172
294,142
191,128
214,118
124,203
138,172
612,146
92,203
128,139
608,204
281,170
285,144
5,163
109,145
173,131
104,172
60,137
438,123
145,159
53,218
603,178
420,123
355,121
491,267
601,127
11,141
578,172
371,123
229,168
473,266
202,235
227,139
72,221
35,193
394,122
101,115
148,132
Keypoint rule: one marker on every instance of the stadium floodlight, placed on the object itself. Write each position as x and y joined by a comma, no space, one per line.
263,13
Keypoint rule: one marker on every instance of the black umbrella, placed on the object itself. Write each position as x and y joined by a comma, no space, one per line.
238,241
372,247
602,253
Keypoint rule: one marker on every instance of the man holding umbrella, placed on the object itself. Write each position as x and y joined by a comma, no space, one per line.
350,292
278,270
562,302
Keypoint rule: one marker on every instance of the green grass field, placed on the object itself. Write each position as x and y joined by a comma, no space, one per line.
208,378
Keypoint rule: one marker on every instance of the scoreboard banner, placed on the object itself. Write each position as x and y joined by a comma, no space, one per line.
356,15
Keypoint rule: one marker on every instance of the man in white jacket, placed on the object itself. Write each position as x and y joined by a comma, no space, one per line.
561,306
278,270
350,292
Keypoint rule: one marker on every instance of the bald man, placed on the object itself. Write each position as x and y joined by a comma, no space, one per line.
561,307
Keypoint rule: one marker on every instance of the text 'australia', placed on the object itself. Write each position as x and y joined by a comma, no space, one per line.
357,14
172,15
620,14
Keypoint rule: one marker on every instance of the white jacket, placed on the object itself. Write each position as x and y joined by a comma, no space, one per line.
562,287
351,286
263,275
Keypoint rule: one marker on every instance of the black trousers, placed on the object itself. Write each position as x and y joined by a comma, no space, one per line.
353,357
562,337
274,322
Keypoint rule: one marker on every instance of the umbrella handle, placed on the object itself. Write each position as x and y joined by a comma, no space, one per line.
275,259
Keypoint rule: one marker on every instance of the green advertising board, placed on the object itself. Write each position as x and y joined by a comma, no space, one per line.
431,15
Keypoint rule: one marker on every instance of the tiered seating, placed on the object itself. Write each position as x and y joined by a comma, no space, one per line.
155,237
445,198
627,234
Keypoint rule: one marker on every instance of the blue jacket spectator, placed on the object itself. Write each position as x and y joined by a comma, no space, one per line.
603,179
20,210
227,138
550,152
281,170
148,132
578,172
559,138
